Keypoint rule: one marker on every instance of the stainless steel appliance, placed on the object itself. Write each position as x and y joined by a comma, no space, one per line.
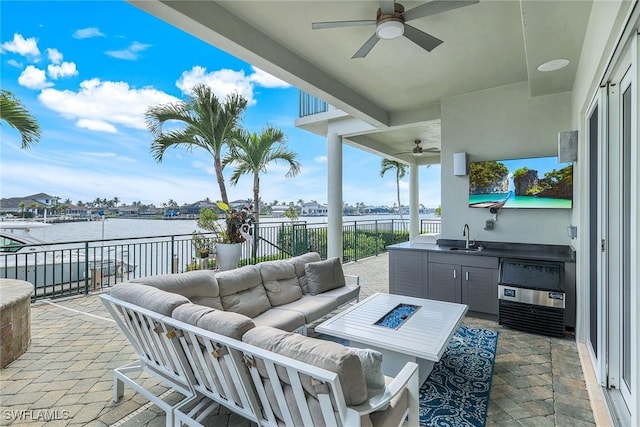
531,296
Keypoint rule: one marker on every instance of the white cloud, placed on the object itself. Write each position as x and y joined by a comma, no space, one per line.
102,106
222,82
87,33
225,81
15,63
262,78
34,78
54,55
320,159
130,53
66,69
108,155
97,125
22,46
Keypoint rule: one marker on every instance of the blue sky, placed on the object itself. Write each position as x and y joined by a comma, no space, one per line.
88,70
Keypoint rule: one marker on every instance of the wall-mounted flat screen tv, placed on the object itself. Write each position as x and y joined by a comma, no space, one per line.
538,182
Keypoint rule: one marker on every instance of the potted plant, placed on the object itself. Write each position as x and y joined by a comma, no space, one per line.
201,244
235,230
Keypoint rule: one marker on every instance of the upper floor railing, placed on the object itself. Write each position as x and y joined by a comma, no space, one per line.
72,268
310,105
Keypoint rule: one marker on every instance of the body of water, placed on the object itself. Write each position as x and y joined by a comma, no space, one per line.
116,228
523,202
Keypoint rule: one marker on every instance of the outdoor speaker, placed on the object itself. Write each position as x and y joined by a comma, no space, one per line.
460,164
568,146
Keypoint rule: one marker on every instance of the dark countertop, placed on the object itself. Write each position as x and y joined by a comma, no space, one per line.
494,249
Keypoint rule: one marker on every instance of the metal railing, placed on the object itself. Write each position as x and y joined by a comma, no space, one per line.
310,105
79,267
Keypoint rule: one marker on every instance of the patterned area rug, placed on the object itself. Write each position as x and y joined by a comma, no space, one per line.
456,393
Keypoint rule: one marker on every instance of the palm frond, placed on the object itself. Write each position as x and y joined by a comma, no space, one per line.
16,115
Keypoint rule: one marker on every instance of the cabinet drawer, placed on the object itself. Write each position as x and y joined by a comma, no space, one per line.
464,259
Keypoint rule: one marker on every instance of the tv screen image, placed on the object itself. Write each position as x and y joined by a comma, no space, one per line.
537,182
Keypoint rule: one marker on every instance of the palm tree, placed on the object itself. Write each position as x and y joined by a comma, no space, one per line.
16,115
209,124
401,171
252,152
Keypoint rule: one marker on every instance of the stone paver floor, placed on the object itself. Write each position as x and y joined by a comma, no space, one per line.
65,376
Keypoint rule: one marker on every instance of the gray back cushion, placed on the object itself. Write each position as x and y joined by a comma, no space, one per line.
323,276
233,325
280,281
241,291
148,297
299,262
322,354
200,286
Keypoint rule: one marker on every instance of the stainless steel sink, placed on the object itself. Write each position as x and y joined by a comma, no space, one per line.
466,250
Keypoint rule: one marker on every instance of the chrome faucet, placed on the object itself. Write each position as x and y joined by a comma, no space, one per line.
465,233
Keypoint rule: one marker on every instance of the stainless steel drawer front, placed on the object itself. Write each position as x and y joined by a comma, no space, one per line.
532,296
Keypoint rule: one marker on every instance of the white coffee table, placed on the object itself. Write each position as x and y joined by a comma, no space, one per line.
422,338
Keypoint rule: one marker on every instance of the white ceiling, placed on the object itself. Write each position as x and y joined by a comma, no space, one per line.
397,88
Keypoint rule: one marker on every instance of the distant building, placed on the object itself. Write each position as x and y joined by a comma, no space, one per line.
194,208
42,201
277,211
375,210
313,209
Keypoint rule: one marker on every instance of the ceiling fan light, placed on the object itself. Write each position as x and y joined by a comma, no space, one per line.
417,153
553,65
390,29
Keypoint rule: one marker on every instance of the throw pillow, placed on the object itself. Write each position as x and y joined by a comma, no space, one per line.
371,361
323,276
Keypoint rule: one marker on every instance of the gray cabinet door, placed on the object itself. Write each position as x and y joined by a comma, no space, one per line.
444,282
406,273
480,289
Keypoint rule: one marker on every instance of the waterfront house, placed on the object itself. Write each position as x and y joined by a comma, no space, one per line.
278,211
314,209
15,205
494,80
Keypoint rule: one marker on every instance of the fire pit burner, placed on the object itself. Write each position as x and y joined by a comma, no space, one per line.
397,316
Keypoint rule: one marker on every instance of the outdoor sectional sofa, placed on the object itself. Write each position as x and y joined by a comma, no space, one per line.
225,341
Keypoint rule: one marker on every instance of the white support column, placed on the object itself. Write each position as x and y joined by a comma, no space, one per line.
414,202
334,198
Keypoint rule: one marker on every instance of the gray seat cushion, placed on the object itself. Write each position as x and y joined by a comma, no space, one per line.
148,297
341,295
287,320
312,307
200,286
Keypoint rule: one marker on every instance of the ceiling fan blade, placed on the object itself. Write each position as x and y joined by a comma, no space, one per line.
338,24
435,7
422,39
387,6
431,150
366,47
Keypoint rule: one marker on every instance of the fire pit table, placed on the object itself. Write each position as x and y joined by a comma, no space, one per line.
404,329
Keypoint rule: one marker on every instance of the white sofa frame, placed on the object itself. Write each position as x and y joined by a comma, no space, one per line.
147,331
164,347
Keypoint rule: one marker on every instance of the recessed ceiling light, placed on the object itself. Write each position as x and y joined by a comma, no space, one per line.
554,64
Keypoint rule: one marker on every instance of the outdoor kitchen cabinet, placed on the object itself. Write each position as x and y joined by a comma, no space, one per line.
465,279
408,273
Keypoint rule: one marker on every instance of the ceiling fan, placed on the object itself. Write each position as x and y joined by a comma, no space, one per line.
419,151
391,21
